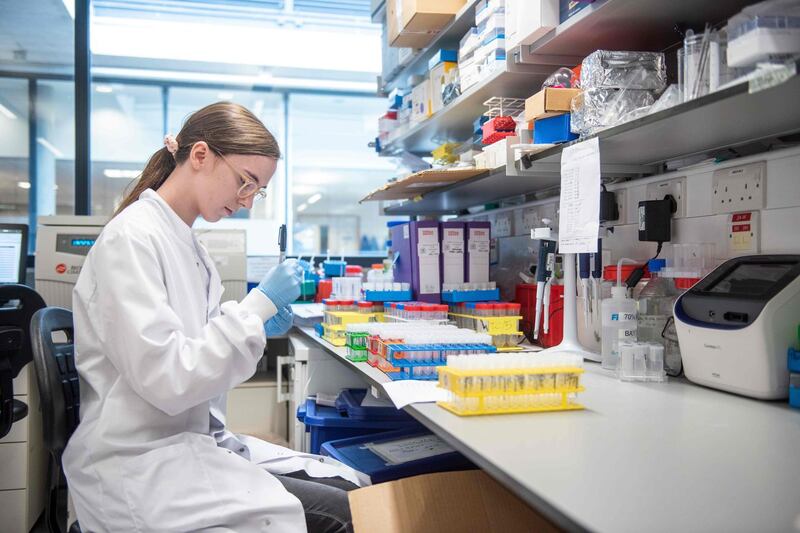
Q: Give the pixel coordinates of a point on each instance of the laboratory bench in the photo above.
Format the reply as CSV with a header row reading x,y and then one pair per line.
x,y
668,456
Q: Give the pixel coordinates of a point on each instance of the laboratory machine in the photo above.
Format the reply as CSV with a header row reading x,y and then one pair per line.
x,y
735,325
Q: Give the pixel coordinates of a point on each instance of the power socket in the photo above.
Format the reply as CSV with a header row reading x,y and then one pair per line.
x,y
676,187
739,188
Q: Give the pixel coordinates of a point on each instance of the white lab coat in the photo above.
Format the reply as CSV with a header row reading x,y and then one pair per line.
x,y
156,354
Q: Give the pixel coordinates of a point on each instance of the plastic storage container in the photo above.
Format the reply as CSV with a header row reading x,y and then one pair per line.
x,y
396,454
349,404
327,423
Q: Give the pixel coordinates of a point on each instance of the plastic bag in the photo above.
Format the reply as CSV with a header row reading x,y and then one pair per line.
x,y
561,78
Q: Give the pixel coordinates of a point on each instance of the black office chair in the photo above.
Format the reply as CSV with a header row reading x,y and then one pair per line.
x,y
60,401
18,303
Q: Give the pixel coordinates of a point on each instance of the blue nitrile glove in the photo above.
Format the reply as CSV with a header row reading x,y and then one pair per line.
x,y
282,284
280,323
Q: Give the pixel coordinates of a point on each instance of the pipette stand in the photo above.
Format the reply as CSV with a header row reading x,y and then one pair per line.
x,y
570,342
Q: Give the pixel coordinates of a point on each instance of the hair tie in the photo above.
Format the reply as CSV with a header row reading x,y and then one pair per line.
x,y
171,143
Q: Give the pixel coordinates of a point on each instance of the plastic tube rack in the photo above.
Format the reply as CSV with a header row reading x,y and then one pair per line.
x,y
511,383
421,361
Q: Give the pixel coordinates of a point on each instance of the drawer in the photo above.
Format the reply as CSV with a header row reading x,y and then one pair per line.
x,y
13,465
19,430
13,510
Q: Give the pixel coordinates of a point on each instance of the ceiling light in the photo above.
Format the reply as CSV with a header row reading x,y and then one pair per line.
x,y
121,173
24,184
302,207
7,112
53,150
104,89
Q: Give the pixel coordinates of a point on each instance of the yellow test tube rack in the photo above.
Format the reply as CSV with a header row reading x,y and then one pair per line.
x,y
510,390
503,329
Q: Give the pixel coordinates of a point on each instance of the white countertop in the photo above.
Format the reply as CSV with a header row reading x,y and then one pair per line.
x,y
641,457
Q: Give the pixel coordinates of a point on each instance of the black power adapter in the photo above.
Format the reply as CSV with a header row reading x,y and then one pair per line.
x,y
655,219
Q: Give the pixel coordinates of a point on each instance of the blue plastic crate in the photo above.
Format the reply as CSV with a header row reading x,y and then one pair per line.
x,y
349,404
455,297
358,453
388,296
327,423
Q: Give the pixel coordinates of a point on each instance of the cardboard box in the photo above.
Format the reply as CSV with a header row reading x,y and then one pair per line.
x,y
443,503
528,20
421,102
414,23
441,75
549,102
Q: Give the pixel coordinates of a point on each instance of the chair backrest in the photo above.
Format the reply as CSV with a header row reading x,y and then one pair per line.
x,y
56,375
18,303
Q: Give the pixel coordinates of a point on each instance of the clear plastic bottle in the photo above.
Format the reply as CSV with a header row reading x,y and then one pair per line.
x,y
654,306
618,318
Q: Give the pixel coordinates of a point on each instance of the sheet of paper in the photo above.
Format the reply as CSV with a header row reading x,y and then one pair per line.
x,y
411,449
453,254
307,310
371,401
406,392
428,251
579,217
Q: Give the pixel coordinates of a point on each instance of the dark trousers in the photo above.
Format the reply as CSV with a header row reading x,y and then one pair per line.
x,y
324,501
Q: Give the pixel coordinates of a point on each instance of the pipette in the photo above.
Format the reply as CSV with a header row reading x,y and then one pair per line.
x,y
583,274
544,264
597,275
282,243
546,325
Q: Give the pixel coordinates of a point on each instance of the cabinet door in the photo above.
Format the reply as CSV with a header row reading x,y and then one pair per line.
x,y
254,410
13,465
12,511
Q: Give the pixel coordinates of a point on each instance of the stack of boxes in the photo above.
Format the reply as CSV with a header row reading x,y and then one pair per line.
x,y
483,48
432,253
547,115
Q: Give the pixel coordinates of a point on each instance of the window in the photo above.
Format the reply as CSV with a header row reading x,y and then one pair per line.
x,y
55,111
14,180
331,169
127,128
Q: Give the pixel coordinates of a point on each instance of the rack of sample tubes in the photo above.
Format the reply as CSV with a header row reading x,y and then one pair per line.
x,y
511,383
498,319
415,312
337,314
412,351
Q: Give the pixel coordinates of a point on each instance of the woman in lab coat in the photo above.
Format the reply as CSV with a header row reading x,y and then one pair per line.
x,y
156,354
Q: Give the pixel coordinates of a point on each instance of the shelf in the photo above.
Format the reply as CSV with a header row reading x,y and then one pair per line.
x,y
454,122
479,190
448,39
420,183
625,25
716,122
